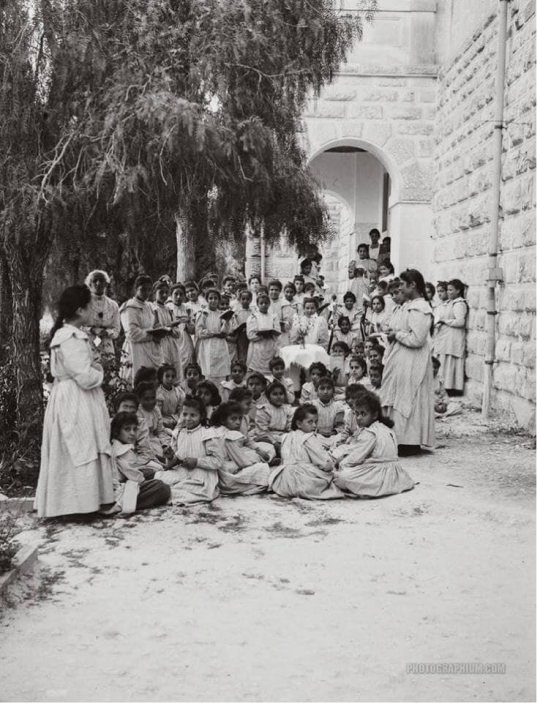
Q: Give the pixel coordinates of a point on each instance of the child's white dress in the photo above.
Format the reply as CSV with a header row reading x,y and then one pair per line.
x,y
75,474
289,387
308,393
330,419
184,340
372,468
306,469
262,349
170,343
227,386
243,470
212,352
199,485
140,348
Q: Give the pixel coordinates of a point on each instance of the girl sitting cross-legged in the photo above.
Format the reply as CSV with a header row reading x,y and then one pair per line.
x,y
132,489
193,376
306,468
309,390
273,417
236,380
330,412
193,470
128,402
244,470
372,469
244,398
277,369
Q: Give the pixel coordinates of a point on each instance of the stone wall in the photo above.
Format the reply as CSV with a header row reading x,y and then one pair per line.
x,y
462,192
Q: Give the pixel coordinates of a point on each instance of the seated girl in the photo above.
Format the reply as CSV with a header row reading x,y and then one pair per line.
x,y
376,316
128,402
306,468
344,333
339,354
372,468
257,383
244,398
132,489
208,393
193,376
169,396
376,371
330,412
236,380
358,372
244,471
159,437
309,390
193,470
273,417
277,369
354,312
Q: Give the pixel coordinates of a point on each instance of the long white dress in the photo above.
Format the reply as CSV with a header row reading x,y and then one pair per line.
x,y
212,352
407,384
449,342
306,470
75,474
198,485
262,349
371,468
243,470
185,343
140,348
171,343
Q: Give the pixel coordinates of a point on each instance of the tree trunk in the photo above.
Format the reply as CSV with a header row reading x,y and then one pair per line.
x,y
186,257
27,286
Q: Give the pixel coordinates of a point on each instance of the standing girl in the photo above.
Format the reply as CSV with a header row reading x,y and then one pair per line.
x,y
185,328
371,469
243,470
211,332
306,468
142,344
310,328
193,470
164,317
242,313
453,337
407,384
75,474
263,331
104,325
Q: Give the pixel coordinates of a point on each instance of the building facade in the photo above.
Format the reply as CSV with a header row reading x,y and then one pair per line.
x,y
402,141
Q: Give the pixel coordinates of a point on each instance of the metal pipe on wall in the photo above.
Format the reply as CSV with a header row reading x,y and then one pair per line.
x,y
262,252
494,273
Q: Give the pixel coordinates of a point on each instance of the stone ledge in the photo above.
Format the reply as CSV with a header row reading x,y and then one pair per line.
x,y
23,561
20,505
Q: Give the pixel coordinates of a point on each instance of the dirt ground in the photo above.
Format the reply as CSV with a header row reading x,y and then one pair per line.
x,y
264,599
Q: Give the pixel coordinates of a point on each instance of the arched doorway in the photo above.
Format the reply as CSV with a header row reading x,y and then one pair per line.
x,y
356,177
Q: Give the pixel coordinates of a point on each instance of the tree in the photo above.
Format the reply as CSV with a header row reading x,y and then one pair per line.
x,y
130,116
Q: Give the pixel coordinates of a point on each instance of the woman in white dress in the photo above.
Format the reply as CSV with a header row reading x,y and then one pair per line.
x,y
186,328
142,344
104,325
407,385
76,473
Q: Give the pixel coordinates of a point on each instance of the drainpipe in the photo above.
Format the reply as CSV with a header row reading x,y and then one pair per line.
x,y
495,275
262,252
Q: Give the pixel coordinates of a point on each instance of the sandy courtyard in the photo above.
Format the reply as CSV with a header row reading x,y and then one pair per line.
x,y
264,599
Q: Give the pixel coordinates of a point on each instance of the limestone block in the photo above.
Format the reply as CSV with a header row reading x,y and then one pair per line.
x,y
517,352
390,82
321,132
504,376
407,96
426,148
528,355
526,268
427,96
474,368
400,112
377,132
521,387
402,149
330,110
365,112
529,300
352,128
503,350
383,96
416,181
419,128
338,93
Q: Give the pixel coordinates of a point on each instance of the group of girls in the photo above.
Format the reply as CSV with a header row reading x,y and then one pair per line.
x,y
212,410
